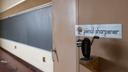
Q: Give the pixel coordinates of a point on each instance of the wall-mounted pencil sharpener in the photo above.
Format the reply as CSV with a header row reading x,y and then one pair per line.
x,y
85,45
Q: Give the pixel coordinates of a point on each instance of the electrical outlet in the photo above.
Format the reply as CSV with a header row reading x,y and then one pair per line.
x,y
44,59
15,47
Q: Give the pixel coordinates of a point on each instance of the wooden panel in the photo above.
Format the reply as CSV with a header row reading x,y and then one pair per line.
x,y
108,11
64,17
0,6
23,6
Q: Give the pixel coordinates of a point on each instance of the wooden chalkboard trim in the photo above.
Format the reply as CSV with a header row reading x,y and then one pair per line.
x,y
11,6
28,10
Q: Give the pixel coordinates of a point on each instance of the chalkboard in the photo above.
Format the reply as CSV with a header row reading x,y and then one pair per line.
x,y
32,28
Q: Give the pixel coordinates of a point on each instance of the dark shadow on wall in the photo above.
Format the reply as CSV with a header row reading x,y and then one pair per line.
x,y
117,53
108,66
100,64
113,49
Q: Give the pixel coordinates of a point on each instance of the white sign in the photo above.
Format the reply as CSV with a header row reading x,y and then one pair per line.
x,y
101,30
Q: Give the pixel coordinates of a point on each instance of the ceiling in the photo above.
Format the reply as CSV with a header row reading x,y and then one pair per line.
x,y
7,4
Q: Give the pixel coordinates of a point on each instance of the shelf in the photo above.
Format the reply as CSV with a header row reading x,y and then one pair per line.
x,y
92,64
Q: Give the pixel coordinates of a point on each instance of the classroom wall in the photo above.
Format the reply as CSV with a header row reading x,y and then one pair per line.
x,y
113,51
39,58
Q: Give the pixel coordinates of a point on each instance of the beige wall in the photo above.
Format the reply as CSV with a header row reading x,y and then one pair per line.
x,y
113,51
23,6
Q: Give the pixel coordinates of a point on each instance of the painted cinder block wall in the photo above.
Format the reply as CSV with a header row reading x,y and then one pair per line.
x,y
113,51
